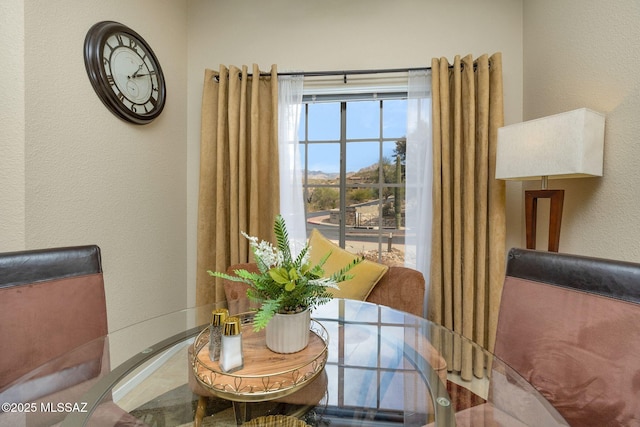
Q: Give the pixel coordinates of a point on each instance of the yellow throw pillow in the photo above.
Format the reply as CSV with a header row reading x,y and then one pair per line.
x,y
365,275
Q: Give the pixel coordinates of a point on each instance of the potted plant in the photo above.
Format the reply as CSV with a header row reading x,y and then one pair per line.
x,y
287,288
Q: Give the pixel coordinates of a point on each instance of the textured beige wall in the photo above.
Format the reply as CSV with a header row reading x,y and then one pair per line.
x,y
581,53
12,194
76,174
90,177
338,35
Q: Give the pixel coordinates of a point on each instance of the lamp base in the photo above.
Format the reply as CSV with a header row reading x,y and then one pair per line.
x,y
555,216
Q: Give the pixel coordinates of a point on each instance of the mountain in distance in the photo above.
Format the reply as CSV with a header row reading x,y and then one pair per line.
x,y
319,175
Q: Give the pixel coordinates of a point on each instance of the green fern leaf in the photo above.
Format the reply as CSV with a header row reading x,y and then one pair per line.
x,y
341,275
282,238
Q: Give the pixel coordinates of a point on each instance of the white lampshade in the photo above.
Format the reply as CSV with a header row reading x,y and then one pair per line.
x,y
565,145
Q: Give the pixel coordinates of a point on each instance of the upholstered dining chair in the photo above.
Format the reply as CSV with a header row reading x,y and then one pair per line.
x,y
52,301
570,326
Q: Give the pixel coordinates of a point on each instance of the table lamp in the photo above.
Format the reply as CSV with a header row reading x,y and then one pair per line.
x,y
565,145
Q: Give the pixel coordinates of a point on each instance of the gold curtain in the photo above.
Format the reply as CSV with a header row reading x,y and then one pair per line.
x,y
239,184
468,247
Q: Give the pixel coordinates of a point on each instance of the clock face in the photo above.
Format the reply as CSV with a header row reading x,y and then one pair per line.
x,y
124,72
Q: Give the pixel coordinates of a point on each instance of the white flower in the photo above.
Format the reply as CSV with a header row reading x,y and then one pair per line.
x,y
324,281
252,239
307,255
267,253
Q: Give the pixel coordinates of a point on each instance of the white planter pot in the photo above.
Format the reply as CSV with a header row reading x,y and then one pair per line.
x,y
288,333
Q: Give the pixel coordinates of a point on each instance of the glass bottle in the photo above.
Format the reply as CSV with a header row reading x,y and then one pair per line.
x,y
218,317
231,358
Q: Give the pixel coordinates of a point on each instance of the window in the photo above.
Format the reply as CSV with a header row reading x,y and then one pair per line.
x,y
353,156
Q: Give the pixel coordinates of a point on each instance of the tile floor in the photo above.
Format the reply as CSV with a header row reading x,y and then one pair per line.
x,y
167,377
136,391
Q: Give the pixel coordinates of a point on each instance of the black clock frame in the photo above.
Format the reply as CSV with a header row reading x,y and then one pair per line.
x,y
93,47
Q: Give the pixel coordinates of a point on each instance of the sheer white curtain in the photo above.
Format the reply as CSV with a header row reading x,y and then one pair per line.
x,y
291,196
419,175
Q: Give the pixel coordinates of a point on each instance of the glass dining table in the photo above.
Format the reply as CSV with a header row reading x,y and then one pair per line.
x,y
379,367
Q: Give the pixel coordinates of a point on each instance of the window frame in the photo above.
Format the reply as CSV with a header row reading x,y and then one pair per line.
x,y
343,186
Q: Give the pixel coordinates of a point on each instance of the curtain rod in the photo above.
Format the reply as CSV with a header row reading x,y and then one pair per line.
x,y
349,72
345,73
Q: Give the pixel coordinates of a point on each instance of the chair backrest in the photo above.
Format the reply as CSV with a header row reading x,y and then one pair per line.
x,y
51,301
570,325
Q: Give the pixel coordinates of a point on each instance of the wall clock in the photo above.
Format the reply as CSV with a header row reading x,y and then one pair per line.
x,y
124,72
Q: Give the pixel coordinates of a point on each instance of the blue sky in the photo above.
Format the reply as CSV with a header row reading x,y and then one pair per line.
x,y
363,121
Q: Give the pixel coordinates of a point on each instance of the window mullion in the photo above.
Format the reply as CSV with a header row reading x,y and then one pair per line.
x,y
305,175
380,182
343,174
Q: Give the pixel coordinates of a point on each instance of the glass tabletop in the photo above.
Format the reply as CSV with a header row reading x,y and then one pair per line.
x,y
383,367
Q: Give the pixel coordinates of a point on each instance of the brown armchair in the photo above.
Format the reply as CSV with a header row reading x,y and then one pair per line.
x,y
401,288
52,301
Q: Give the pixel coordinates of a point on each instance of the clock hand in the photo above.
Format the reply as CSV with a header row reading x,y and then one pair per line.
x,y
136,72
